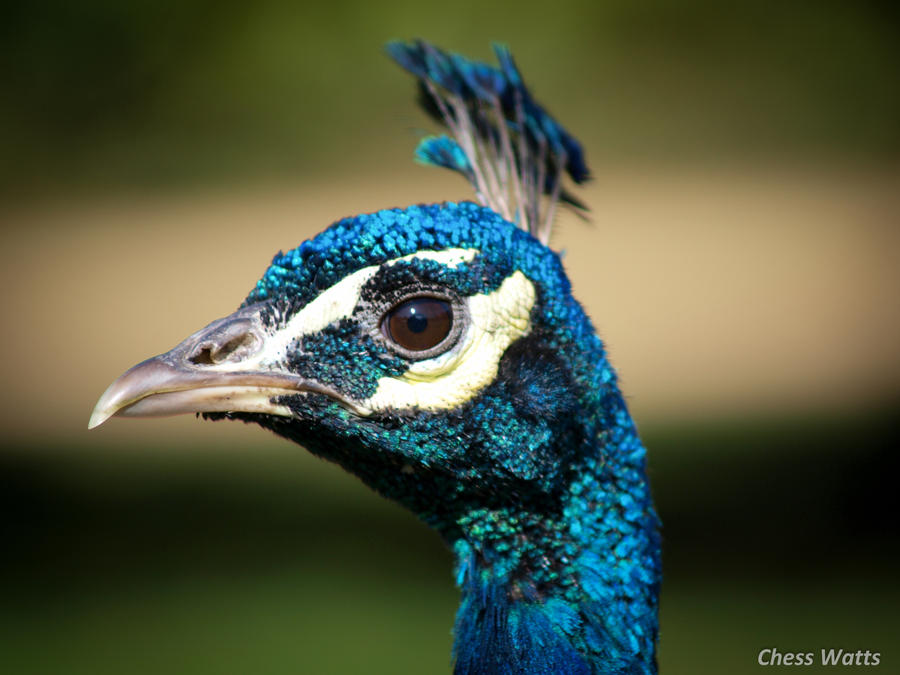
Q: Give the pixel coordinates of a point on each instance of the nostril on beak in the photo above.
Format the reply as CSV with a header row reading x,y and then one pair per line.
x,y
202,356
231,342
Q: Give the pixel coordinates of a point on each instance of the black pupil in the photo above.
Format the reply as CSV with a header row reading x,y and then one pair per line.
x,y
419,324
416,322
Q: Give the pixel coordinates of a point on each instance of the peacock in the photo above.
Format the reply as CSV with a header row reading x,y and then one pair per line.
x,y
437,353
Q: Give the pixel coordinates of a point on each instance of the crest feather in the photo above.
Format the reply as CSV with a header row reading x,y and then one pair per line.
x,y
504,142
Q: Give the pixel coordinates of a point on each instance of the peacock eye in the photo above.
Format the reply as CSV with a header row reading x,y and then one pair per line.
x,y
418,324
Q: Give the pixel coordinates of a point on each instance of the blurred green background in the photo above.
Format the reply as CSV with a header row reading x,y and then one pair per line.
x,y
741,265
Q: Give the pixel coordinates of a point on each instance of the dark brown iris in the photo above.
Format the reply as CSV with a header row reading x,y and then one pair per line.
x,y
418,324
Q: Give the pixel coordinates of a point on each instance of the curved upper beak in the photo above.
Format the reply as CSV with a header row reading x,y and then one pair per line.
x,y
220,368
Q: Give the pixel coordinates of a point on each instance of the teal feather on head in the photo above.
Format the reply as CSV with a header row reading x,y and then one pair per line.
x,y
437,353
444,152
514,151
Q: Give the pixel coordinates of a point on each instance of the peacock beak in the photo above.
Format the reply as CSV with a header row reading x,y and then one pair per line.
x,y
221,368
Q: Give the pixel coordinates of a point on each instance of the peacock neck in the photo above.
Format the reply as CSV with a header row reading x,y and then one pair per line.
x,y
539,486
569,586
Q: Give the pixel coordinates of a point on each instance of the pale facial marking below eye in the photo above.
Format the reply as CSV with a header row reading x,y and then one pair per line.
x,y
447,381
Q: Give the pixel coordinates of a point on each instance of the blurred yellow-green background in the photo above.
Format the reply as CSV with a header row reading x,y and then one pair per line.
x,y
741,265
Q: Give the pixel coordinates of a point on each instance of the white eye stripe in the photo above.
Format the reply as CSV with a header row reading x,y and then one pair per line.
x,y
447,381
339,301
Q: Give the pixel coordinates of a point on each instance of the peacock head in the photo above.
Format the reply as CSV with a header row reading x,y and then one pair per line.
x,y
437,353
433,351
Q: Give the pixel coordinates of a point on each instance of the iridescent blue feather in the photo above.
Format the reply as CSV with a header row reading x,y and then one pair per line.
x,y
443,151
515,152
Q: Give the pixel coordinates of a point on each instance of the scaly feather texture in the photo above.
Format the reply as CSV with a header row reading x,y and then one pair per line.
x,y
437,353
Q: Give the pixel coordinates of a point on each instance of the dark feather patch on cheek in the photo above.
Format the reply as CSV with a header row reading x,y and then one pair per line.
x,y
529,412
538,381
344,356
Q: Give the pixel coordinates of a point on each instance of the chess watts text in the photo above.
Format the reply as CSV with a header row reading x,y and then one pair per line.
x,y
826,657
